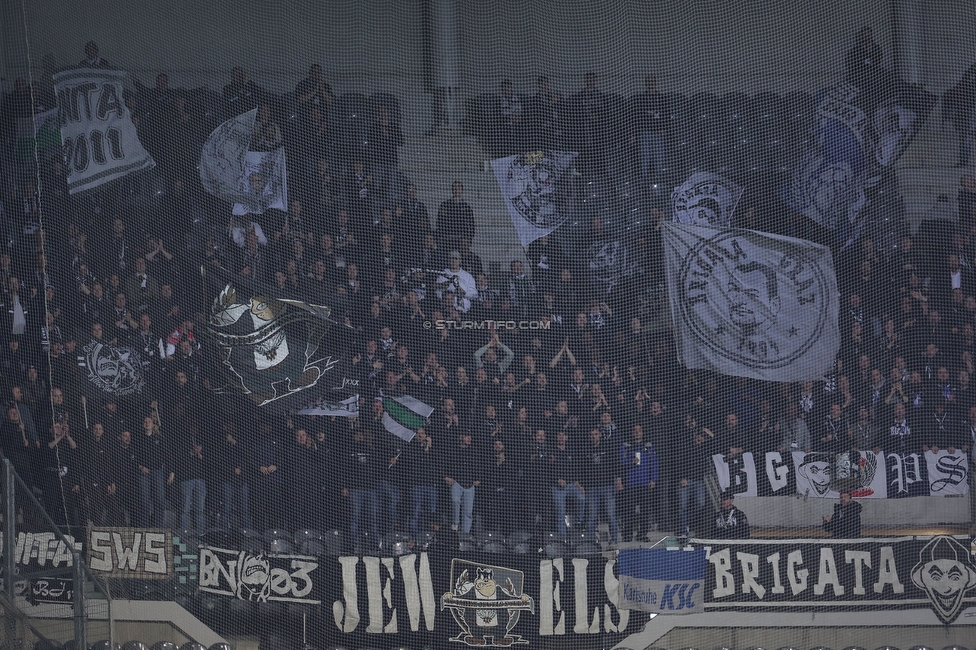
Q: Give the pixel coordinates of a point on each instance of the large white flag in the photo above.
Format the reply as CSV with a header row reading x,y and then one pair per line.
x,y
99,139
530,184
705,199
751,304
223,158
265,182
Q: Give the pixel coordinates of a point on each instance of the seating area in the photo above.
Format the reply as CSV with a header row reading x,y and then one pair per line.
x,y
748,133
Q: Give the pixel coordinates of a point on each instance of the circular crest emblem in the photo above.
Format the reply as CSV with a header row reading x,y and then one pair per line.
x,y
760,307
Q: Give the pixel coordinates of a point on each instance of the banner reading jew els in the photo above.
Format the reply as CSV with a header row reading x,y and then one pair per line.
x,y
751,304
530,184
99,139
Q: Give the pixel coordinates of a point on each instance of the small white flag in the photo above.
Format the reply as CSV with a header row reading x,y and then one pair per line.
x,y
531,186
705,199
265,182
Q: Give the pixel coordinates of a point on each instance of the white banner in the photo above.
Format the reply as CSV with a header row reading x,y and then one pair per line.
x,y
822,475
948,473
223,158
752,304
530,186
265,182
737,473
705,199
99,139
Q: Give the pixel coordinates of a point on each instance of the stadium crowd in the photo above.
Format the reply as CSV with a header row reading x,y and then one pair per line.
x,y
581,415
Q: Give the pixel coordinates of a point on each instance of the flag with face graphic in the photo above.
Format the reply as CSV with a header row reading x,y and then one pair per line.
x,y
751,304
705,199
814,475
857,137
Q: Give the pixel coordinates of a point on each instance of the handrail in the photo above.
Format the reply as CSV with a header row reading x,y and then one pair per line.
x,y
80,570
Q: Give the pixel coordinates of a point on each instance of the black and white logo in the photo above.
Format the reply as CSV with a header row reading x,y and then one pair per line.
x,y
270,348
486,602
945,573
113,369
256,576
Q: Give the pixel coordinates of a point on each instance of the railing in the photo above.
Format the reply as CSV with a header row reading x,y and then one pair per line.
x,y
48,592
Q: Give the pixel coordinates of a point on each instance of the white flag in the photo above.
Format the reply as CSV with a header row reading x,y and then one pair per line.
x,y
751,304
948,473
99,139
265,181
223,158
530,184
705,199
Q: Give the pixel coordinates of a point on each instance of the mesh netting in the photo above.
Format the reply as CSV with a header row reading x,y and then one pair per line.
x,y
425,323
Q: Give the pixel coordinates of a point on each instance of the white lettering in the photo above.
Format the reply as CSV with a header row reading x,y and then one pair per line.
x,y
724,582
100,551
860,559
128,557
888,573
750,571
776,471
778,587
796,576
827,574
374,599
156,553
347,618
419,591
582,605
550,582
610,584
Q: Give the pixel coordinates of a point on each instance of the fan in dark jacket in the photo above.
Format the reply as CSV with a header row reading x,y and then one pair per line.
x,y
731,522
845,523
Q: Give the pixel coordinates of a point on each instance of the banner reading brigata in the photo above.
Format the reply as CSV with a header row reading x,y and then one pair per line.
x,y
751,304
811,574
99,139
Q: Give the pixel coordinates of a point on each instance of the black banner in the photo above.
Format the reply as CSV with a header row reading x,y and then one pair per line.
x,y
809,575
488,600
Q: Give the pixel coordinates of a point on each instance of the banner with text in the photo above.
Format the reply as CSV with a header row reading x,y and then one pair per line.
x,y
143,554
815,575
99,139
883,475
435,597
661,580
